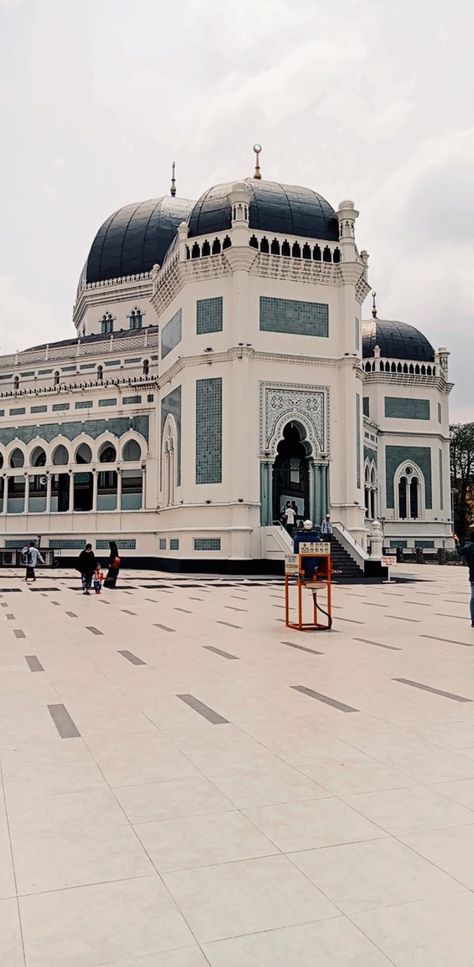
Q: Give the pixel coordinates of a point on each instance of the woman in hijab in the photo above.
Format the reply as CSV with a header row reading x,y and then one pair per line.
x,y
114,566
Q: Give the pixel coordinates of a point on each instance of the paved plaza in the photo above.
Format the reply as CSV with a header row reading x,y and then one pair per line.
x,y
173,798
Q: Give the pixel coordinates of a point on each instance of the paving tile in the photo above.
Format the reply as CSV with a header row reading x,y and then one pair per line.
x,y
354,775
134,757
186,957
450,849
410,809
328,943
437,932
171,800
204,840
91,808
312,823
102,923
11,948
278,783
354,876
240,898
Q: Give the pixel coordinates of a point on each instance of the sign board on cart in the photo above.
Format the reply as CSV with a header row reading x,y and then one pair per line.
x,y
291,564
314,547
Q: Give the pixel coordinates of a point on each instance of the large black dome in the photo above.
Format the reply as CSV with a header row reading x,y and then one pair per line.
x,y
135,238
396,340
287,209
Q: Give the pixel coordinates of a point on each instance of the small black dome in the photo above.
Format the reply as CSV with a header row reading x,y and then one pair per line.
x,y
396,340
286,209
135,238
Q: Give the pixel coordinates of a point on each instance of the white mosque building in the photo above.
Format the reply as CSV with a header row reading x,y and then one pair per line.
x,y
219,368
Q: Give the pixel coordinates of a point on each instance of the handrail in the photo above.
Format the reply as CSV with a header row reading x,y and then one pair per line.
x,y
349,543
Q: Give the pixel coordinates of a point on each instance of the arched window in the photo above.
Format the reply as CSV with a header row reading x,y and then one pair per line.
x,y
410,369
227,242
216,247
417,370
1,460
84,454
38,457
168,458
17,458
136,318
327,254
317,253
264,246
253,242
131,452
306,251
296,251
60,456
16,384
107,453
370,486
146,367
423,371
100,374
409,484
206,248
285,249
405,368
195,251
337,255
56,378
275,247
399,368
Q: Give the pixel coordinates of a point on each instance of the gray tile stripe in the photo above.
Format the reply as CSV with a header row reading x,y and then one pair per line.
x,y
378,643
231,607
218,651
131,657
324,698
165,628
450,641
10,617
372,604
436,691
94,631
63,722
442,614
312,651
19,633
398,617
204,710
352,621
419,604
238,597
103,601
195,599
57,603
229,624
184,610
33,663
4,604
126,611
71,614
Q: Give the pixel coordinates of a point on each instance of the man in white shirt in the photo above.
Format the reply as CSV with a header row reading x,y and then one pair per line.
x,y
290,517
326,526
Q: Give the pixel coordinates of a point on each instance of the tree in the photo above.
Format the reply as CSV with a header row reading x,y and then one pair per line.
x,y
462,474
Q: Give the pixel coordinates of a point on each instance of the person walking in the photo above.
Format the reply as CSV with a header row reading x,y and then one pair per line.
x,y
32,557
467,552
86,565
98,578
326,526
290,517
114,566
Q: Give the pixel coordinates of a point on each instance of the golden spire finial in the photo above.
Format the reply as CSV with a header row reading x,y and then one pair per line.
x,y
257,173
374,307
173,180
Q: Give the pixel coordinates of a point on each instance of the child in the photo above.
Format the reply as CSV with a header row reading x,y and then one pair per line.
x,y
98,578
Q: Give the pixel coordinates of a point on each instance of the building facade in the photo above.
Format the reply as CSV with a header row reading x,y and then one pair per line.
x,y
220,368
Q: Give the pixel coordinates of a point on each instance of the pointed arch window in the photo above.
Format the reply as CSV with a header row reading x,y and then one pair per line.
x,y
107,323
136,318
409,488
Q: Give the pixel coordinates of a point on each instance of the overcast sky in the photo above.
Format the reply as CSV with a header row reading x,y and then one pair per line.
x,y
364,99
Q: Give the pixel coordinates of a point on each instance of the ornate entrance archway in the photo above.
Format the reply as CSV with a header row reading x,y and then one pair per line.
x,y
291,472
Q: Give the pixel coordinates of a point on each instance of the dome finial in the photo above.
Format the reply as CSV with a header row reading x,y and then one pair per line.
x,y
374,307
257,173
173,180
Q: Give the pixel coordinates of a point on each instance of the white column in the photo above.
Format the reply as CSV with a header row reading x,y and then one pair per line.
x,y
119,489
94,490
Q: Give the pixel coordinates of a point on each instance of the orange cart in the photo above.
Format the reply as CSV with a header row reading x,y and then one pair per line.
x,y
309,570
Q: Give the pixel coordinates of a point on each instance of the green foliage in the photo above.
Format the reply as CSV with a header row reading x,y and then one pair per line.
x,y
462,475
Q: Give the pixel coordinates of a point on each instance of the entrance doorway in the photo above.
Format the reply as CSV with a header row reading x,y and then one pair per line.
x,y
291,473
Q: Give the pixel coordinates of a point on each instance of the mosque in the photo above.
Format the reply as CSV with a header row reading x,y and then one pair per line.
x,y
219,368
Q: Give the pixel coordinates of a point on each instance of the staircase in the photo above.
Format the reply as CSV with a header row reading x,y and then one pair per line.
x,y
344,568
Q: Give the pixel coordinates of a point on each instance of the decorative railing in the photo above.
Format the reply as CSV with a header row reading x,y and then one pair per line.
x,y
142,339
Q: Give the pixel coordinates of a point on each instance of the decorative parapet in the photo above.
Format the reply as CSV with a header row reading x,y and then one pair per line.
x,y
141,339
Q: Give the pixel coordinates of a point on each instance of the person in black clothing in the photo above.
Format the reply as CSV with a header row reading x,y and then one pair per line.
x,y
114,566
467,552
86,565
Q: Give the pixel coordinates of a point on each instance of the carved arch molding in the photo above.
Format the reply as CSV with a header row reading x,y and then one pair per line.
x,y
282,402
